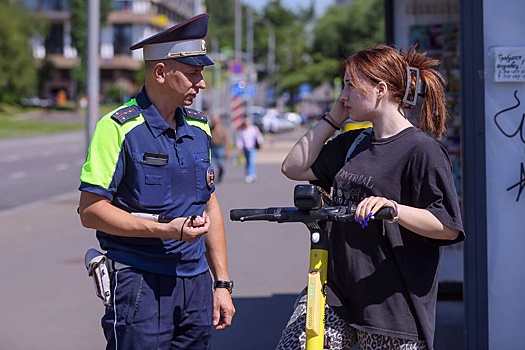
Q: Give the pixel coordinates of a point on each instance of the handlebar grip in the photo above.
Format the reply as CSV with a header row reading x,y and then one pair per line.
x,y
385,213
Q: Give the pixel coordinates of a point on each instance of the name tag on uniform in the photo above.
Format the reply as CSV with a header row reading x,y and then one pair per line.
x,y
155,158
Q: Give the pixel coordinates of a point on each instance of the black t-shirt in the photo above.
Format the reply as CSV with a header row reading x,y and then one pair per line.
x,y
383,278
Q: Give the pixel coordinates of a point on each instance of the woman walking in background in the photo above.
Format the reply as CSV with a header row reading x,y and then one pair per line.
x,y
249,140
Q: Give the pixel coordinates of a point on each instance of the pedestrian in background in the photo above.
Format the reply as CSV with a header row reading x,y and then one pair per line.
x,y
151,156
249,141
382,276
220,146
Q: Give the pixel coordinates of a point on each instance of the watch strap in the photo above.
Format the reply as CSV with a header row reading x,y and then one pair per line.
x,y
224,284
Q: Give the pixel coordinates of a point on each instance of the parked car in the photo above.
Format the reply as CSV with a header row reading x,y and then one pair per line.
x,y
294,117
275,122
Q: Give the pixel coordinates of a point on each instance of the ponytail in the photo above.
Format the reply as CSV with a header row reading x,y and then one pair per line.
x,y
433,113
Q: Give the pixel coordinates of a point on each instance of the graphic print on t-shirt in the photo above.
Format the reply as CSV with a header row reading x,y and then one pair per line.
x,y
350,188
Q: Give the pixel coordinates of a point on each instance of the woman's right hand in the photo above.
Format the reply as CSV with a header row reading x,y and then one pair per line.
x,y
338,112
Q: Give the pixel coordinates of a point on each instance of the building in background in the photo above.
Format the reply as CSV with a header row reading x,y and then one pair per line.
x,y
130,21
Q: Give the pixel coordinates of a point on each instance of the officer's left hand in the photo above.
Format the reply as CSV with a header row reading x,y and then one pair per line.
x,y
223,309
187,230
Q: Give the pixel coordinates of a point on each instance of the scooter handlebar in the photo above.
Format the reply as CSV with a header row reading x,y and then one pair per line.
x,y
293,214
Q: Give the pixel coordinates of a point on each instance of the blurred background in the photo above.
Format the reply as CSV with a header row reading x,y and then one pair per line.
x,y
283,55
65,63
276,62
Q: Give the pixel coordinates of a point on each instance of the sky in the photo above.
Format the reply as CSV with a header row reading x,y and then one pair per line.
x,y
320,5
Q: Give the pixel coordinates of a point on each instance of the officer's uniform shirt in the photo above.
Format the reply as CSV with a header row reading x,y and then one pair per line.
x,y
140,164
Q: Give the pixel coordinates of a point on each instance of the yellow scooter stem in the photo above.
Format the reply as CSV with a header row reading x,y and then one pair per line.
x,y
316,299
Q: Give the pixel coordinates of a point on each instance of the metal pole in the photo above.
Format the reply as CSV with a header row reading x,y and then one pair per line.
x,y
93,72
271,53
197,102
249,54
271,47
238,30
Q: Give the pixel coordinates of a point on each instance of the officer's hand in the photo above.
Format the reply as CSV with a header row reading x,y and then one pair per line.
x,y
223,309
189,229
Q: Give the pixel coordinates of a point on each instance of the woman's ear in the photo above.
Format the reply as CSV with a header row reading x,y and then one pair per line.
x,y
381,89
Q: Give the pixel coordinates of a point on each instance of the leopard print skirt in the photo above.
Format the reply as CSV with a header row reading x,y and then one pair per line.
x,y
341,335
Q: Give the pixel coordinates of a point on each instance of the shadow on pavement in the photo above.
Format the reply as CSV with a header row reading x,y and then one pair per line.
x,y
257,324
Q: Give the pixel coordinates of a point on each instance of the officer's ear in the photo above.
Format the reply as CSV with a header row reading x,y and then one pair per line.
x,y
159,70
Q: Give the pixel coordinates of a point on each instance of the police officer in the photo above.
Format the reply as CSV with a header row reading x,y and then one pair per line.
x,y
152,156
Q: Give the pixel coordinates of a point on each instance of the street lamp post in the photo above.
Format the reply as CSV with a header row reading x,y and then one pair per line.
x,y
93,71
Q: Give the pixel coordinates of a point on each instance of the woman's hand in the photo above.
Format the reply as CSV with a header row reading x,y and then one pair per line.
x,y
369,206
338,112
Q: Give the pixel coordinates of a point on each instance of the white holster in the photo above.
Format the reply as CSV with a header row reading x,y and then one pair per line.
x,y
97,267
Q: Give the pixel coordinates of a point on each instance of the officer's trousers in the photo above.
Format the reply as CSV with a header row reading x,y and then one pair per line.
x,y
152,311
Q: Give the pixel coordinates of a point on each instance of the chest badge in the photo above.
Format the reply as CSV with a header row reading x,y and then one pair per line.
x,y
210,176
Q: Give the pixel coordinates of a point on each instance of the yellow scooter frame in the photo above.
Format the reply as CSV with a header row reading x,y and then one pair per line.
x,y
311,208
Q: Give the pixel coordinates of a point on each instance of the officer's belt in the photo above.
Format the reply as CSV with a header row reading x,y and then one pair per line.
x,y
115,266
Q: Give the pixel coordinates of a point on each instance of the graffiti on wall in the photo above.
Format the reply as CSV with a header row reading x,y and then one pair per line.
x,y
512,124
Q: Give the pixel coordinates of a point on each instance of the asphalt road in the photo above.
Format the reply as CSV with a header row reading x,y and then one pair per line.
x,y
38,168
47,299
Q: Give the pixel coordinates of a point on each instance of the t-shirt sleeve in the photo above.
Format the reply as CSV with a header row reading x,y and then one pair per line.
x,y
329,161
438,195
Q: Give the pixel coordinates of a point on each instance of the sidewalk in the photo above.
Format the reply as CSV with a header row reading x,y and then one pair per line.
x,y
49,301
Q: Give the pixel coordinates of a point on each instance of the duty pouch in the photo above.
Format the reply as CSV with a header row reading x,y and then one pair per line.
x,y
97,267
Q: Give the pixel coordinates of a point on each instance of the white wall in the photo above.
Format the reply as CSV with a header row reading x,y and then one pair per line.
x,y
504,26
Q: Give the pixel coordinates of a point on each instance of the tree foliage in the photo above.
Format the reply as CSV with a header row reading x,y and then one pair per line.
x,y
343,29
348,28
19,74
307,49
79,35
221,28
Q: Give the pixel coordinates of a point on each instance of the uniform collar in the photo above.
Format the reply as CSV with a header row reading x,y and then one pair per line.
x,y
155,121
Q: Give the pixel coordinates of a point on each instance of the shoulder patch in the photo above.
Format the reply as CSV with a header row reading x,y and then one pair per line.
x,y
126,113
195,114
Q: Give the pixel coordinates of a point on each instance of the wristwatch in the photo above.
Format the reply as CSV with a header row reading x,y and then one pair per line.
x,y
224,284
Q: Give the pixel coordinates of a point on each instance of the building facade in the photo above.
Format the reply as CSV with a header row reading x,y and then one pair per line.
x,y
129,22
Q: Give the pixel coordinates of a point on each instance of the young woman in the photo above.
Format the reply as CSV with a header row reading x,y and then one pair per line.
x,y
382,276
249,139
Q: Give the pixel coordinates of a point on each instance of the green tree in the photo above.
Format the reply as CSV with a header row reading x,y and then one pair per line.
x,y
342,30
19,74
221,28
292,39
307,50
79,35
345,29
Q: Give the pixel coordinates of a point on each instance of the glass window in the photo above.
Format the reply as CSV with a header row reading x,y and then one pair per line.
x,y
122,39
54,43
122,5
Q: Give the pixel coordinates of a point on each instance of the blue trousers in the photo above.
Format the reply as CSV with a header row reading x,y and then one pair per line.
x,y
218,154
152,311
251,157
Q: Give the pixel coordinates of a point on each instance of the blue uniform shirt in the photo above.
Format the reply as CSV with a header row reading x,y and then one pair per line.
x,y
139,163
